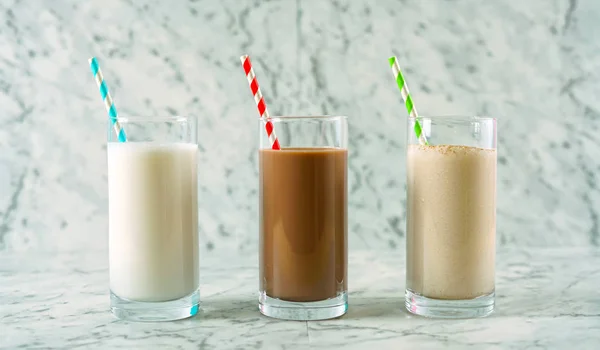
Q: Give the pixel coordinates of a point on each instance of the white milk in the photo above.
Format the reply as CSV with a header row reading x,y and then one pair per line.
x,y
153,220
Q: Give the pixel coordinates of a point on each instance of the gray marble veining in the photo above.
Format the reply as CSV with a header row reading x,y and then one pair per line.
x,y
547,298
533,64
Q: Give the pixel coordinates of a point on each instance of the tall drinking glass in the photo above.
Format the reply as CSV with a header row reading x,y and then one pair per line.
x,y
303,218
153,219
451,219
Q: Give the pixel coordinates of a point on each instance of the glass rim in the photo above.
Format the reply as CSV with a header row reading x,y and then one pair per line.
x,y
454,117
157,119
279,118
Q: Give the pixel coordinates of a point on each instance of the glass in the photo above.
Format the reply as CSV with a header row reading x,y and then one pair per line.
x,y
303,218
153,219
451,217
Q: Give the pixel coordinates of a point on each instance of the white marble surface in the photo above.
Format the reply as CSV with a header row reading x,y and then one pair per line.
x,y
547,298
533,64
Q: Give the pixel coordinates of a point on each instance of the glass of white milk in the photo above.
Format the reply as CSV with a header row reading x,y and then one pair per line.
x,y
153,218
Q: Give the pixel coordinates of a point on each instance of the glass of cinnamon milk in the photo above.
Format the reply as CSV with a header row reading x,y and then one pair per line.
x,y
153,218
451,217
303,207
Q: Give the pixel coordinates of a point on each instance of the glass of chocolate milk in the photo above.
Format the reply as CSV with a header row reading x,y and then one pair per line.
x,y
451,217
303,218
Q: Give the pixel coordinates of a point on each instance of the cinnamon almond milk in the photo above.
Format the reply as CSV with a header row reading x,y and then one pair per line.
x,y
451,225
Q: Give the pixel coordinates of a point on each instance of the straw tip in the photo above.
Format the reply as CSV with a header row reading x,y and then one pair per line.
x,y
392,60
94,65
243,58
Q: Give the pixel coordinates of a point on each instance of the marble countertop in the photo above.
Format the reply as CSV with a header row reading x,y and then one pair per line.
x,y
546,298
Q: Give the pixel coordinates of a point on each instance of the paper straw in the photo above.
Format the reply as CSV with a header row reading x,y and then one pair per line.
x,y
412,110
108,102
260,101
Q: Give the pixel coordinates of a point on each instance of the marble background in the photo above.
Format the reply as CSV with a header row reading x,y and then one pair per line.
x,y
533,64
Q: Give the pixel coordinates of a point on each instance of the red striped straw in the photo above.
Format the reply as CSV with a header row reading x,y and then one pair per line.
x,y
260,101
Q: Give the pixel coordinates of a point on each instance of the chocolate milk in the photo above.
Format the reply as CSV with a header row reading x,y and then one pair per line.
x,y
303,223
451,224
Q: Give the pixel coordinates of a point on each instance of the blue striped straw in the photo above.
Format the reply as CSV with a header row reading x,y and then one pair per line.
x,y
108,102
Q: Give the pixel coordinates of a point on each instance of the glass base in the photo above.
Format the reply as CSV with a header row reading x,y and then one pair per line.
x,y
438,308
155,311
303,311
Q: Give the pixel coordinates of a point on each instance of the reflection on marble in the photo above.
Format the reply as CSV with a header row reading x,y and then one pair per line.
x,y
533,64
546,298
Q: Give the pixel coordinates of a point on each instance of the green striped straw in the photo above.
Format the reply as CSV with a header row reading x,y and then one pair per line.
x,y
412,111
